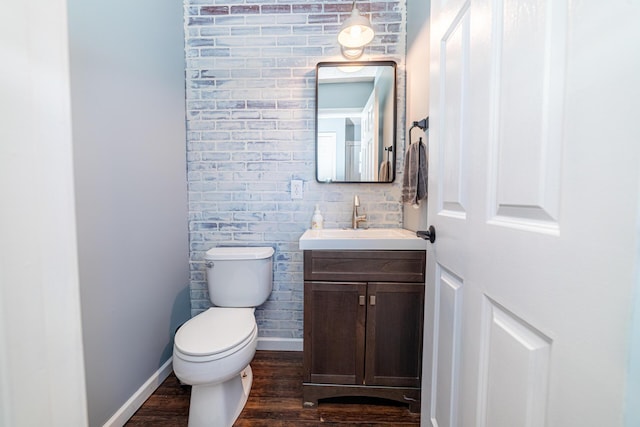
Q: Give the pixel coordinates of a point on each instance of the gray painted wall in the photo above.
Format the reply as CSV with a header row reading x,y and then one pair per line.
x,y
344,95
127,84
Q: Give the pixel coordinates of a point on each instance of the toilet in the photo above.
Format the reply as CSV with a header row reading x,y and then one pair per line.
x,y
212,350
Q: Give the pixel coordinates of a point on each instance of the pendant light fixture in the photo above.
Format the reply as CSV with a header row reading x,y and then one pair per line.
x,y
352,52
356,32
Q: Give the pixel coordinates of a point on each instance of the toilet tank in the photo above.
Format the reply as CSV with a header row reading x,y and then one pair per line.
x,y
239,276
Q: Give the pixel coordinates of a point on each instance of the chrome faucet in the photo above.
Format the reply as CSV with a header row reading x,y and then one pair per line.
x,y
355,218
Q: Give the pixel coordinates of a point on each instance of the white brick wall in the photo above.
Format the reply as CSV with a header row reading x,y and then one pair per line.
x,y
250,70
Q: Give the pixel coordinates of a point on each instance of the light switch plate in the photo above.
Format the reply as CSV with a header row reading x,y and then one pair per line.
x,y
296,189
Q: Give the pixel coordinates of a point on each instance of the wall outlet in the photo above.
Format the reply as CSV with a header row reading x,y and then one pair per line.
x,y
296,189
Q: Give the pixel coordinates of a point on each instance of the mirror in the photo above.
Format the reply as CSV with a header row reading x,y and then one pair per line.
x,y
356,122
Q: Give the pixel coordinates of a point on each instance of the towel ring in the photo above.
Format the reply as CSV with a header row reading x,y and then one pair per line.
x,y
422,124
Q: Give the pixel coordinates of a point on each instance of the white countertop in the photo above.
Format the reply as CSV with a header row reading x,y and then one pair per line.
x,y
361,239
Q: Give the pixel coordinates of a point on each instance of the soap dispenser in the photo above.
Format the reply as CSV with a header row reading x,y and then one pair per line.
x,y
317,220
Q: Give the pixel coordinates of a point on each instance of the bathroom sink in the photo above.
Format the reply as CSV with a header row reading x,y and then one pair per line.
x,y
361,239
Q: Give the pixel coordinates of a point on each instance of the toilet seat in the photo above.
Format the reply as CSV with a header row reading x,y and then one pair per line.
x,y
215,333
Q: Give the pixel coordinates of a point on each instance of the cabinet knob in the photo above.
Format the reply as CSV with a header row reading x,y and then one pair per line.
x,y
372,300
361,299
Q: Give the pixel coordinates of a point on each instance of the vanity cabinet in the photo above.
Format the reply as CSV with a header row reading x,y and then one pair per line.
x,y
363,317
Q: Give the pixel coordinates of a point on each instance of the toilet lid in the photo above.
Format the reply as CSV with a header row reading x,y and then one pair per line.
x,y
216,330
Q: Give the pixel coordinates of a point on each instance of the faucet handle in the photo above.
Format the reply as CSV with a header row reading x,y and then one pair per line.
x,y
356,200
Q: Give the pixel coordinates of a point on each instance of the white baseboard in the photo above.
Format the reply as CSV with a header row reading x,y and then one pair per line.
x,y
280,344
140,396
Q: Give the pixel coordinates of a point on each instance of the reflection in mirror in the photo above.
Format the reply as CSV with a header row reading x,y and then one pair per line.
x,y
355,121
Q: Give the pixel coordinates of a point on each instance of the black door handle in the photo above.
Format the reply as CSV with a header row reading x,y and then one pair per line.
x,y
429,234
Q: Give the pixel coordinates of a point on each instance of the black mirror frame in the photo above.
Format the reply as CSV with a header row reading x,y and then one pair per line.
x,y
393,148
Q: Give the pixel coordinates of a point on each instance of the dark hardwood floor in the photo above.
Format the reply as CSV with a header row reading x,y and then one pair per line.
x,y
276,401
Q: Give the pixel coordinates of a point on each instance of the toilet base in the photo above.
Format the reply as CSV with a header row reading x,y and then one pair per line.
x,y
219,405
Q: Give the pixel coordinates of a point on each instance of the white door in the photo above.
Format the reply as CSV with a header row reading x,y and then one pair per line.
x,y
533,191
369,139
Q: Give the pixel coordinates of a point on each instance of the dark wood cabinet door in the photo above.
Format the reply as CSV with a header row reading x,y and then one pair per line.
x,y
395,314
334,332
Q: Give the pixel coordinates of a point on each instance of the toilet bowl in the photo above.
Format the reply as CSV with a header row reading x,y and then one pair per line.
x,y
216,364
212,350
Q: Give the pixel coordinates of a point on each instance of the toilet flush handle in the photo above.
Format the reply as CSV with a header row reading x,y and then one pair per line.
x,y
209,264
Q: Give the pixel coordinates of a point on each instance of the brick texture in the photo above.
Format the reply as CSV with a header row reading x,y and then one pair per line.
x,y
250,76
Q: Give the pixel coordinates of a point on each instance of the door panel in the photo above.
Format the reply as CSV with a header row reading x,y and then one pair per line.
x,y
514,368
526,112
446,348
454,98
